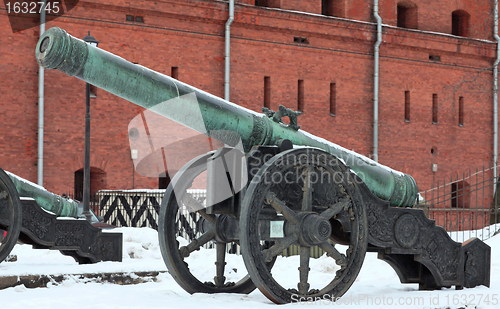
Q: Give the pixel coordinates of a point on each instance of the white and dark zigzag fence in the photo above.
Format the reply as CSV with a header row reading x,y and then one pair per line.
x,y
140,208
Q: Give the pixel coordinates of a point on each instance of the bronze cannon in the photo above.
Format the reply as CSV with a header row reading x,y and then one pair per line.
x,y
283,194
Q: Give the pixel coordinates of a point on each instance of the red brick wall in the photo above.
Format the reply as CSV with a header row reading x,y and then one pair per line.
x,y
189,35
18,100
311,6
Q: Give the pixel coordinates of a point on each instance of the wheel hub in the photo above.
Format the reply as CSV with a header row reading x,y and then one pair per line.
x,y
315,230
226,228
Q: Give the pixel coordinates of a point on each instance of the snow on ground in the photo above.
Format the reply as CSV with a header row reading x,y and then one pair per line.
x,y
141,252
377,285
482,234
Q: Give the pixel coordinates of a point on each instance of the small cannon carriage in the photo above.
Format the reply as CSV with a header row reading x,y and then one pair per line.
x,y
32,215
282,188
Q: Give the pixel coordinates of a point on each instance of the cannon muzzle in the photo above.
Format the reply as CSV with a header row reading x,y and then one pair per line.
x,y
57,49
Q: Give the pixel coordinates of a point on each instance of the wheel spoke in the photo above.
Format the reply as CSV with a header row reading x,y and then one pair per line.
x,y
330,250
305,254
281,208
307,190
278,247
220,264
303,214
196,244
335,209
184,215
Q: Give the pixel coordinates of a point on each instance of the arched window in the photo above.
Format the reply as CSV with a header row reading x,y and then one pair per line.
x,y
261,3
407,15
268,3
163,180
460,23
97,182
333,8
460,194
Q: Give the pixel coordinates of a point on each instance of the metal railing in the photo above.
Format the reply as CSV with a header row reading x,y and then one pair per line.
x,y
465,205
135,208
132,208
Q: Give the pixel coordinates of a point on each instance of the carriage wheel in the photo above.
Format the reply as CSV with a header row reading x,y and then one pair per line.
x,y
184,234
308,201
10,215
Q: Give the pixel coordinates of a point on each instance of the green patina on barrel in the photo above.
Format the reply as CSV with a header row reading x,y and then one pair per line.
x,y
54,203
57,49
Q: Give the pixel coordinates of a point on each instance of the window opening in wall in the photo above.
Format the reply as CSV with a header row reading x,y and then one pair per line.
x,y
460,194
268,3
174,72
435,108
300,40
261,3
300,95
333,8
78,189
460,23
333,99
407,106
434,58
97,182
407,15
267,91
132,18
163,181
461,111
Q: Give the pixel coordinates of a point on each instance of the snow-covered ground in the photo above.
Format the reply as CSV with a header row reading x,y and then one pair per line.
x,y
377,285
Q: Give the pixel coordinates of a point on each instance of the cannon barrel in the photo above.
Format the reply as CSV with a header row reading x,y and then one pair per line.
x,y
57,49
60,206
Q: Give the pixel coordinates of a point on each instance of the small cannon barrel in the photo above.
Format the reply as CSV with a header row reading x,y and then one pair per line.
x,y
57,49
54,203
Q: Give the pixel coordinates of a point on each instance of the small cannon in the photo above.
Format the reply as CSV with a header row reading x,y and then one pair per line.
x,y
298,194
33,215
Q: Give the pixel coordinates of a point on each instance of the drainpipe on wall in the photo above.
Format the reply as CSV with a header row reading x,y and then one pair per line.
x,y
41,90
376,57
495,92
227,57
